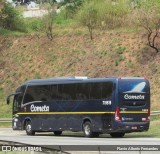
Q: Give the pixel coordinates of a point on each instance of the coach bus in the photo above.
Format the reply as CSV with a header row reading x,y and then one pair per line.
x,y
93,105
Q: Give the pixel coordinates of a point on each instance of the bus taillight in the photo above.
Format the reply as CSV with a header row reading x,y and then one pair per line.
x,y
117,115
148,116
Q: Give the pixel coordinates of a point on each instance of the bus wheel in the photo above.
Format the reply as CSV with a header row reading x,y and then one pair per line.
x,y
29,129
57,133
117,135
87,129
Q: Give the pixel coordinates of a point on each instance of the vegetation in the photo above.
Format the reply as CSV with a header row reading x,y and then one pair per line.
x,y
88,16
49,20
11,18
122,32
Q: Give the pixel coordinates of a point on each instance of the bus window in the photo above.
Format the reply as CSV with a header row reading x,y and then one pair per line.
x,y
17,103
37,93
82,91
53,89
130,86
69,91
96,90
101,90
107,89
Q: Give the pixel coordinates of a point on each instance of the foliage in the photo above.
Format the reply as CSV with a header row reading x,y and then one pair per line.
x,y
148,17
112,15
70,7
49,20
88,17
1,4
11,18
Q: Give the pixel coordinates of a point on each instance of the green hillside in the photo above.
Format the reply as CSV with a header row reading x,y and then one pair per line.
x,y
110,54
117,49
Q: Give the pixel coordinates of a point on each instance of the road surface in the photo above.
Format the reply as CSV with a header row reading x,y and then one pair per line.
x,y
77,139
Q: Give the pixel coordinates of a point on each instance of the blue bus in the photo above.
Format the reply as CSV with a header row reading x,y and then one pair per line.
x,y
93,105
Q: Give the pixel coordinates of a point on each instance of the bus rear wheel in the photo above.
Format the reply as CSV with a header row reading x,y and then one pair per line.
x,y
57,133
28,128
87,129
117,135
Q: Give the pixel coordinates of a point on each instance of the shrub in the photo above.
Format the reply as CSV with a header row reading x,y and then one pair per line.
x,y
11,18
35,24
87,16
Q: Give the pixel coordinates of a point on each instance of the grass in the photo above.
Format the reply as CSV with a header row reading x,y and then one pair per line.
x,y
152,132
6,125
6,110
7,32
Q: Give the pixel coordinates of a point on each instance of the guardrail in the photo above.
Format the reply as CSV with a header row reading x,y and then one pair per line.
x,y
5,120
154,113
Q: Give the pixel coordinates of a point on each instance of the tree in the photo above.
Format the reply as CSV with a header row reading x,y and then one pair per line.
x,y
88,16
11,18
49,20
71,6
150,21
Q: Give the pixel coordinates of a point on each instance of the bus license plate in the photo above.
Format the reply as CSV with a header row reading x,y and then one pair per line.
x,y
134,127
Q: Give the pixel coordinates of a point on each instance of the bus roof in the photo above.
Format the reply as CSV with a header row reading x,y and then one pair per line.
x,y
74,79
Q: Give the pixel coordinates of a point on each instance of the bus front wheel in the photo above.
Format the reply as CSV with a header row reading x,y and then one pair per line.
x,y
29,130
57,133
117,135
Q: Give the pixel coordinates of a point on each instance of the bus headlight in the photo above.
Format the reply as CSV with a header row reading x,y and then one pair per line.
x,y
15,120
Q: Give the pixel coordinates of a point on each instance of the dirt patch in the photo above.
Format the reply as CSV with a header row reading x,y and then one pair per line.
x,y
112,54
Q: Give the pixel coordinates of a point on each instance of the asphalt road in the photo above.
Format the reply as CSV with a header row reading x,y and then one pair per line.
x,y
77,141
72,139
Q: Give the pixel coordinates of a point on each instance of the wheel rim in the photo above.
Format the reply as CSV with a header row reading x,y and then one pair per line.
x,y
28,128
87,129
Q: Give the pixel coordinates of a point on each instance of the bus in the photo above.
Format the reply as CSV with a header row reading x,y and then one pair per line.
x,y
115,105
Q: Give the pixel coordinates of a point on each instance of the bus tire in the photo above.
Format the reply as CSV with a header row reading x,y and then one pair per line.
x,y
117,135
28,128
87,129
57,133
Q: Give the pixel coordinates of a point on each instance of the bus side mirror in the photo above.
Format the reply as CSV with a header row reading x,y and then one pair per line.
x,y
8,97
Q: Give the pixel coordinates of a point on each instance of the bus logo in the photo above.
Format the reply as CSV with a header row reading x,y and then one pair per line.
x,y
134,97
44,108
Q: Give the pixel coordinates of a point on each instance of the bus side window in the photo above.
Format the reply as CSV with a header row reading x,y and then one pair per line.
x,y
82,91
107,89
28,98
17,103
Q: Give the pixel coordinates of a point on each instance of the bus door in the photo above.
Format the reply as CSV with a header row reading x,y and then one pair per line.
x,y
134,102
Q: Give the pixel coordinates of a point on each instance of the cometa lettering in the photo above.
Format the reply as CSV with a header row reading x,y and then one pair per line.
x,y
127,96
39,108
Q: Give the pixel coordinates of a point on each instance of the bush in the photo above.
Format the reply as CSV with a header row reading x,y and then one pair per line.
x,y
70,7
34,24
87,16
112,14
11,18
109,14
